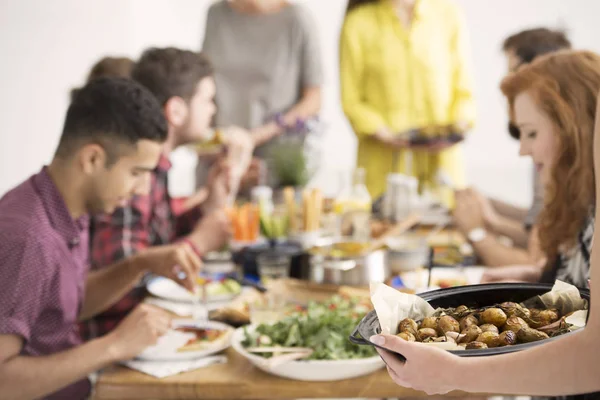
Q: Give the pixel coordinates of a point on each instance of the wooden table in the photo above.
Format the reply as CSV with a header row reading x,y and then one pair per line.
x,y
239,379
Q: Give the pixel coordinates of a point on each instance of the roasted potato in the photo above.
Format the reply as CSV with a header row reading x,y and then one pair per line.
x,y
507,338
468,321
448,324
489,328
430,322
528,335
426,333
494,316
408,325
491,339
476,346
514,324
471,334
409,337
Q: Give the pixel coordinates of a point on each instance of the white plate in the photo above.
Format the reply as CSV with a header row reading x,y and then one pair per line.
x,y
166,348
310,370
170,290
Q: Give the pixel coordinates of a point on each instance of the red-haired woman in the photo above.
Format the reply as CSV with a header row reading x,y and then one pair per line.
x,y
553,101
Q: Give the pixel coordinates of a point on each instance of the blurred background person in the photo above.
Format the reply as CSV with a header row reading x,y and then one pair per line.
x,y
109,67
182,82
483,220
268,69
553,103
404,65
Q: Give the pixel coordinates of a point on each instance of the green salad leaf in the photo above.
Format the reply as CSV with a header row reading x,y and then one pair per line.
x,y
323,327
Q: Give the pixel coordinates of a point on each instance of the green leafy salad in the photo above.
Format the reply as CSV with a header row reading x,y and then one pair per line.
x,y
323,327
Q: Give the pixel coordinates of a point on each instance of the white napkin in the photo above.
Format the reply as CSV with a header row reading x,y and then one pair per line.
x,y
162,369
393,306
564,297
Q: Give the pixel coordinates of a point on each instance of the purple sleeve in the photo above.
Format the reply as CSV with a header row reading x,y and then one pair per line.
x,y
24,275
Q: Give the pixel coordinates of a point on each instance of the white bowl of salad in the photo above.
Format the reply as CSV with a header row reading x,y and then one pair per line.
x,y
322,327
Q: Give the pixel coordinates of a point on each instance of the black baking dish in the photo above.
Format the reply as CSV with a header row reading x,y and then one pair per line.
x,y
472,295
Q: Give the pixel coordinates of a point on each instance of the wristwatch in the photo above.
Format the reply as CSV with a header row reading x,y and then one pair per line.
x,y
476,235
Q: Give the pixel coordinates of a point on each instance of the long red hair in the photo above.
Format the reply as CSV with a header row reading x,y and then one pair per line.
x,y
564,86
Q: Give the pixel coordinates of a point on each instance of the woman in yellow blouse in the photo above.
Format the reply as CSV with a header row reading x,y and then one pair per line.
x,y
404,65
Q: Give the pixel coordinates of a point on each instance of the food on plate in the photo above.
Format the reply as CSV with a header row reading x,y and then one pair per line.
x,y
218,288
494,316
223,287
205,338
323,327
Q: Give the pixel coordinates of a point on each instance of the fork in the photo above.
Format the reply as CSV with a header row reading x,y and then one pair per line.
x,y
200,311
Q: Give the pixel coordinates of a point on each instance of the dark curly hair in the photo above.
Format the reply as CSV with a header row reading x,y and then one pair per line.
x,y
169,72
115,113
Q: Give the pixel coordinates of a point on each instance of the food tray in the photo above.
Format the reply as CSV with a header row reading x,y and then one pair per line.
x,y
472,295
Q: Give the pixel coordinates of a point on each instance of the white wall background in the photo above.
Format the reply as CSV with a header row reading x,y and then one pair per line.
x,y
47,48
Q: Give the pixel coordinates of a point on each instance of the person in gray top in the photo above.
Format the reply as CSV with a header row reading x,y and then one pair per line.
x,y
267,60
481,219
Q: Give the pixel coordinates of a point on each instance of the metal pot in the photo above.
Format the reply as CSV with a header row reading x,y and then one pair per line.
x,y
351,271
407,253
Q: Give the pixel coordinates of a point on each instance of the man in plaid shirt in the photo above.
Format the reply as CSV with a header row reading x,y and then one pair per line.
x,y
182,82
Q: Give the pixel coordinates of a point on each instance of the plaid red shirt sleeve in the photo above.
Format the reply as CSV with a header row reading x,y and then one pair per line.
x,y
121,234
115,237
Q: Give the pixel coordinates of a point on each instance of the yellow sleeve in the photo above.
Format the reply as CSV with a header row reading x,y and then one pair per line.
x,y
463,107
363,118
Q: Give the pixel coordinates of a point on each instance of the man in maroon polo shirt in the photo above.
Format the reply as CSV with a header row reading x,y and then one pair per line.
x,y
111,141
